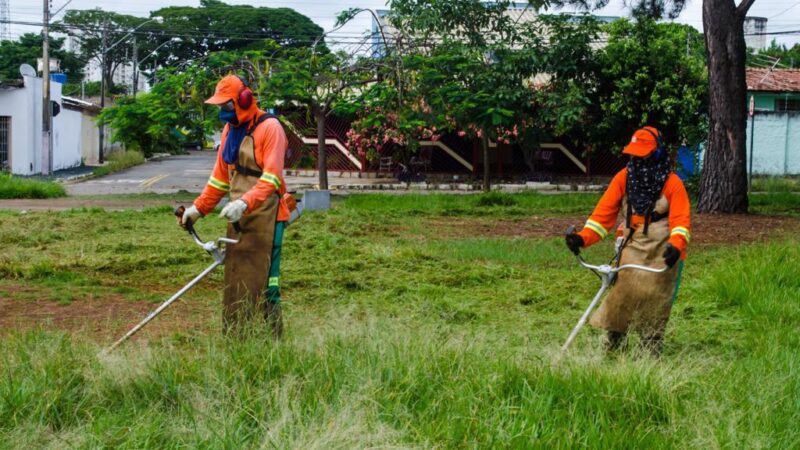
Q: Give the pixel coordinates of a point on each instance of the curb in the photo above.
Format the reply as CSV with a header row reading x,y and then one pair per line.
x,y
459,187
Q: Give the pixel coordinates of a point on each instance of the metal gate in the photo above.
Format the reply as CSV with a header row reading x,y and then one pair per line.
x,y
5,142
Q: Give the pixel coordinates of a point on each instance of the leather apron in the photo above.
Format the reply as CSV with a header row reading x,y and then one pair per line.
x,y
641,301
247,263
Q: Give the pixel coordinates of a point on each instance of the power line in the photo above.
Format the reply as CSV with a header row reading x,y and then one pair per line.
x,y
785,10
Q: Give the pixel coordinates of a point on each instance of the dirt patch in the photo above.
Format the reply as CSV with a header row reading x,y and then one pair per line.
x,y
104,319
707,229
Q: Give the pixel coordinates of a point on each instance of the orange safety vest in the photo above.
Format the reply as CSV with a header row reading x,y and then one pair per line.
x,y
605,214
270,146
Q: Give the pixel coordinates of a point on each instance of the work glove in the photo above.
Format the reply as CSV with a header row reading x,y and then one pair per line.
x,y
190,216
574,242
233,211
671,255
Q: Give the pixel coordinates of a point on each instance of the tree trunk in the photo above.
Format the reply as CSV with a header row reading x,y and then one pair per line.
x,y
322,154
485,148
723,187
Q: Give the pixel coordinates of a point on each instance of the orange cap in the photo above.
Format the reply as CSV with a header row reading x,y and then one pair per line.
x,y
643,142
227,89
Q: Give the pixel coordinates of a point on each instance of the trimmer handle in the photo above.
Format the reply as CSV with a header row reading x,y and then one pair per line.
x,y
189,226
181,210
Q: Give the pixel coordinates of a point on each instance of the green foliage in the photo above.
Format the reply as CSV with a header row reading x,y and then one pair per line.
x,y
525,85
646,77
775,184
171,114
17,187
28,48
215,26
786,57
88,27
118,161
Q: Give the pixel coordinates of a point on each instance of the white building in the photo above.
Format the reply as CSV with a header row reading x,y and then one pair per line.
x,y
754,32
21,128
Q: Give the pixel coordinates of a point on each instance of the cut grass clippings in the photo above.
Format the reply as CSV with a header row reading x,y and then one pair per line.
x,y
118,161
415,339
20,187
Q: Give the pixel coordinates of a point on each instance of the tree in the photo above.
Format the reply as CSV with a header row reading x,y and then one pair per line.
x,y
471,68
216,26
173,112
647,75
775,55
89,26
28,48
318,82
723,186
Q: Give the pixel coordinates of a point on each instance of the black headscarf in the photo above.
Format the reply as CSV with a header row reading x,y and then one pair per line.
x,y
645,181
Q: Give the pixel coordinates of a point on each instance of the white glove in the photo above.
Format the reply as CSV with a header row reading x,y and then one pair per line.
x,y
191,215
233,210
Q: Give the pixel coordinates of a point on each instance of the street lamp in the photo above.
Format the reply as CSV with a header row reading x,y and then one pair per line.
x,y
136,63
106,49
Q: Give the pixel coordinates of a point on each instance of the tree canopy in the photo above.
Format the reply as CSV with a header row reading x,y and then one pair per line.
x,y
216,26
28,48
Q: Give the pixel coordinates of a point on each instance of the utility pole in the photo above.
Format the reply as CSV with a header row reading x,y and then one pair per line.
x,y
46,119
102,88
135,67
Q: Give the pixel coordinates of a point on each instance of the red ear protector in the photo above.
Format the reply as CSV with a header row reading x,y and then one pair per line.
x,y
245,95
661,151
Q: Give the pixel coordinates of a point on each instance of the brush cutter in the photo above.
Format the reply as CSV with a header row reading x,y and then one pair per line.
x,y
214,248
607,273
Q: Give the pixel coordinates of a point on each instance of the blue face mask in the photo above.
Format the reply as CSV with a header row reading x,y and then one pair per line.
x,y
228,116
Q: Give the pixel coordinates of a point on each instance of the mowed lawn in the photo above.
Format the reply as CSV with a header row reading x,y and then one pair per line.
x,y
417,321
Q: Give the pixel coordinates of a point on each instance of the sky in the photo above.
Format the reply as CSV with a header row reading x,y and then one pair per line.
x,y
782,15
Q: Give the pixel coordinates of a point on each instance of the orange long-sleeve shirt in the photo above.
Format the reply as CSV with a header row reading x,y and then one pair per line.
x,y
605,214
270,145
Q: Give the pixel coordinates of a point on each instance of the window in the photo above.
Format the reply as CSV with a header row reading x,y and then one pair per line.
x,y
5,141
787,104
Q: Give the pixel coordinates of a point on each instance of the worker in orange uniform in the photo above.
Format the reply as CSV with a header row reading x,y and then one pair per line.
x,y
656,229
249,167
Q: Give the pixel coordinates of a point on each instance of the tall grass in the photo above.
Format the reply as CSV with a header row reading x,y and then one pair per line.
x,y
118,161
18,187
395,340
776,184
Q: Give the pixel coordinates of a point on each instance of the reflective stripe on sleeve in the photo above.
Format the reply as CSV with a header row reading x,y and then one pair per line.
x,y
597,228
219,184
683,231
270,178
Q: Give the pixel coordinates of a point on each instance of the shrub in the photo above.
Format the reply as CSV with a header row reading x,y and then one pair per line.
x,y
19,187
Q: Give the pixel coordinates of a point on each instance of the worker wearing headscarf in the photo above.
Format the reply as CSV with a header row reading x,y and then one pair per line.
x,y
249,167
656,230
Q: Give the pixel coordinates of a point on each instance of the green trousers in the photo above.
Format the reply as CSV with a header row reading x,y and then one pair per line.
x,y
273,293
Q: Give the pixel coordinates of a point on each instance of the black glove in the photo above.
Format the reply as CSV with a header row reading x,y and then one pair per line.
x,y
574,242
671,255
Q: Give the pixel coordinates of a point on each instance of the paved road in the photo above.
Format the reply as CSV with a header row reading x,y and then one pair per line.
x,y
179,173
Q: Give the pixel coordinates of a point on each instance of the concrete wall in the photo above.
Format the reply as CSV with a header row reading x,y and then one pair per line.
x,y
776,143
24,106
26,125
90,140
67,139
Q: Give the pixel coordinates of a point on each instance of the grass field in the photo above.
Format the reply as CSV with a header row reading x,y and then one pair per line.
x,y
424,321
